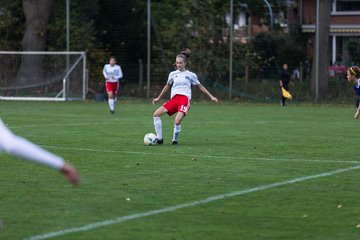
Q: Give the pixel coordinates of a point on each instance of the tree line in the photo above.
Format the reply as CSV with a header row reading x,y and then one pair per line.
x,y
110,27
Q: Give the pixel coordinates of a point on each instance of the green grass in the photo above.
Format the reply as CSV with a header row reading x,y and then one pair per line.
x,y
223,148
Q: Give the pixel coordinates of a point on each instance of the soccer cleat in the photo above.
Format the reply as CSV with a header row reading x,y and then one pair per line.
x,y
112,111
174,143
160,141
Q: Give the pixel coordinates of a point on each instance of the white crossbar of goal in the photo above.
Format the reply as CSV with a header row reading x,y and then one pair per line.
x,y
43,76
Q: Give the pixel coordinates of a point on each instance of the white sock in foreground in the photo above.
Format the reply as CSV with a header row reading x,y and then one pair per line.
x,y
111,104
177,130
158,127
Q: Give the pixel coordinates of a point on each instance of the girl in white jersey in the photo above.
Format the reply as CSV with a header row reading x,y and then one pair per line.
x,y
18,146
180,82
112,73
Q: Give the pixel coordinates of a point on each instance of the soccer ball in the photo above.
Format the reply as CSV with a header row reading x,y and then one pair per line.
x,y
150,139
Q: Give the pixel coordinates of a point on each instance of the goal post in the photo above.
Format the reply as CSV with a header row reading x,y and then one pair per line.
x,y
43,76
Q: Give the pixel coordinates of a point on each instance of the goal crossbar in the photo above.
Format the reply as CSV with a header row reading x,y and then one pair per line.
x,y
43,76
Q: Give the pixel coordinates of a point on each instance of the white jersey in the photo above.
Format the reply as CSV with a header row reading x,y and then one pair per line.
x,y
181,82
112,73
18,146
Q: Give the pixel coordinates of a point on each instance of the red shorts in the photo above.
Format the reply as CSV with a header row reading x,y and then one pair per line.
x,y
112,86
179,103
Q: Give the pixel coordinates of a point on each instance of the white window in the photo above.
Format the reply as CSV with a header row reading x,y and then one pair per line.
x,y
346,7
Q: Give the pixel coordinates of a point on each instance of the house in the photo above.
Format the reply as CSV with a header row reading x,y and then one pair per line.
x,y
247,25
344,26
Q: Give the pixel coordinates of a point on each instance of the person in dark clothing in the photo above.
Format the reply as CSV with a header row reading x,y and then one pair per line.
x,y
284,82
353,75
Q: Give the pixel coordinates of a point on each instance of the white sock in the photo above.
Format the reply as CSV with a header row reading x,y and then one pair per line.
x,y
177,130
111,104
158,127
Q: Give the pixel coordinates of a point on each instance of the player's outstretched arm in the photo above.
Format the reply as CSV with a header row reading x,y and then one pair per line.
x,y
20,147
163,91
204,90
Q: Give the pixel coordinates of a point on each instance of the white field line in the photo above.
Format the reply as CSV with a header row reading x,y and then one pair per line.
x,y
201,156
121,219
122,121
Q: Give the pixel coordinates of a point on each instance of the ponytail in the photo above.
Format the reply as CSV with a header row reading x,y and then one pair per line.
x,y
185,54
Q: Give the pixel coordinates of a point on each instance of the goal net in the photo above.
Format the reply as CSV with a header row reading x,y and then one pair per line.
x,y
48,76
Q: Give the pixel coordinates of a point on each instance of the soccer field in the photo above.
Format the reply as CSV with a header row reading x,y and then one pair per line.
x,y
240,171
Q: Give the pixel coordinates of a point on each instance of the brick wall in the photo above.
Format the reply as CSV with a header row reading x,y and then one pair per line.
x,y
309,11
309,15
345,19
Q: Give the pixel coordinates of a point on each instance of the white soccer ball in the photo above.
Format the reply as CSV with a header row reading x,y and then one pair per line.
x,y
150,139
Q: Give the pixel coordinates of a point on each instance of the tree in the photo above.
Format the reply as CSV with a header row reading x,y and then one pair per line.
x,y
323,33
84,15
11,25
205,34
203,27
45,27
37,14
